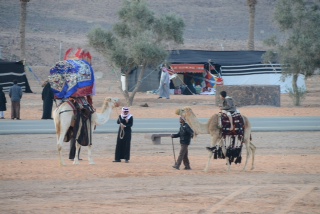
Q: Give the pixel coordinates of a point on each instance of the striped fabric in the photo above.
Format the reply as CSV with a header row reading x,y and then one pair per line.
x,y
258,74
10,71
240,70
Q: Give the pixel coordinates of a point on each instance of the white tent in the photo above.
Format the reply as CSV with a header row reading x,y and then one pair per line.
x,y
259,74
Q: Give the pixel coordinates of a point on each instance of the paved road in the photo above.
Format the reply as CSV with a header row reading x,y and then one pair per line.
x,y
162,125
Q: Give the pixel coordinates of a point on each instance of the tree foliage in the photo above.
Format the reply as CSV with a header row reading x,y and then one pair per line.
x,y
138,40
299,52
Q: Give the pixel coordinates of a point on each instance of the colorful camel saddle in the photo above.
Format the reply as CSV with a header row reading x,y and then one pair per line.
x,y
232,139
71,78
238,124
233,151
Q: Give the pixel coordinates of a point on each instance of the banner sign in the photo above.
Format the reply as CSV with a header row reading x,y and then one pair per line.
x,y
188,68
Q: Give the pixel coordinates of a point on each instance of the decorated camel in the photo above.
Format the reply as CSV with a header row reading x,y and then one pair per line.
x,y
64,117
212,128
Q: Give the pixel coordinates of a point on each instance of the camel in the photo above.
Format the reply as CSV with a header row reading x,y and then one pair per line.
x,y
212,128
63,117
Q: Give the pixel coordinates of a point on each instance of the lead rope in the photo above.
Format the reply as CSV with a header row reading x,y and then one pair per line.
x,y
121,135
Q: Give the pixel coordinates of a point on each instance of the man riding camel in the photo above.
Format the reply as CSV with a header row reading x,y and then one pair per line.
x,y
227,107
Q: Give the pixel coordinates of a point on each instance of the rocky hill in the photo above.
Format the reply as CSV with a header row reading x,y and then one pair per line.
x,y
55,26
213,25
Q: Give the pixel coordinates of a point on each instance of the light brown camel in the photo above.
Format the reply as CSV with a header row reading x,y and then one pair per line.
x,y
64,116
212,128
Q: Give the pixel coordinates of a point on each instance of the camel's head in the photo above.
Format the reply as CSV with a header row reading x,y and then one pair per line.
x,y
113,102
183,111
187,113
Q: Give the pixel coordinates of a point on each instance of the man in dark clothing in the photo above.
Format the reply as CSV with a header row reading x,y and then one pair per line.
x,y
47,97
72,152
124,136
15,93
185,133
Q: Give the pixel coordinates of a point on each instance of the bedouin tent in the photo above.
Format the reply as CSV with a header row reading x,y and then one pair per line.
x,y
195,66
237,67
10,71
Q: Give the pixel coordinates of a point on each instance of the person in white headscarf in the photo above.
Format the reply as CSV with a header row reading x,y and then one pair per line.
x,y
125,122
164,87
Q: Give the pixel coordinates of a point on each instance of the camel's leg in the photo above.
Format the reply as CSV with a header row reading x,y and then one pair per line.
x,y
253,151
60,132
248,149
222,144
90,159
62,119
89,155
208,163
247,157
249,146
215,138
60,138
76,157
224,150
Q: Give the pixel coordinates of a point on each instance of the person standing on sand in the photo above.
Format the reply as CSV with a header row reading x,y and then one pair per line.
x,y
47,98
15,93
124,136
164,88
185,134
3,101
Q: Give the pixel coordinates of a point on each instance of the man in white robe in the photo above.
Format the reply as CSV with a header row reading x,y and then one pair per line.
x,y
164,88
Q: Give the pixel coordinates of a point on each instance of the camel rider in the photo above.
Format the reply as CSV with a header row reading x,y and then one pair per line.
x,y
227,107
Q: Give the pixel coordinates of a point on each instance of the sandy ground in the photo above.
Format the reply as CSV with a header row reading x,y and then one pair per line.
x,y
285,178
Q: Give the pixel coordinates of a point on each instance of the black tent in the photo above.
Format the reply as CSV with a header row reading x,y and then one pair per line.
x,y
10,71
223,58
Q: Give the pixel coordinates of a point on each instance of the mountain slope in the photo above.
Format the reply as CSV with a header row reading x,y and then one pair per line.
x,y
51,24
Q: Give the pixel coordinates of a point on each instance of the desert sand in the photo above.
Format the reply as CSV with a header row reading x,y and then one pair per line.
x,y
285,178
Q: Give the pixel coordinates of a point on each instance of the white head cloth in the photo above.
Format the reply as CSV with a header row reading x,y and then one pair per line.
x,y
123,115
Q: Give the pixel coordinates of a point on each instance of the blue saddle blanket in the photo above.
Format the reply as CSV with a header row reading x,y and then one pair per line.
x,y
72,78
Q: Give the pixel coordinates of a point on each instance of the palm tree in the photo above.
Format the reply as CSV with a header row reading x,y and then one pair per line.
x,y
23,17
252,9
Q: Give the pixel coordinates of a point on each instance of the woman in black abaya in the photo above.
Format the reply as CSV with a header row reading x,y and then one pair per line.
x,y
124,136
47,97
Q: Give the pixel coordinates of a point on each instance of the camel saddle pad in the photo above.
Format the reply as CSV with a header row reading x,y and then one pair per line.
x,y
238,124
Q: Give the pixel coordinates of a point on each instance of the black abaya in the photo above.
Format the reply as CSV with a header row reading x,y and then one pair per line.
x,y
47,97
124,139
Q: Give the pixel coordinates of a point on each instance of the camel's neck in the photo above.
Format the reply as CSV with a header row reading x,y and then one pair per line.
x,y
197,127
104,116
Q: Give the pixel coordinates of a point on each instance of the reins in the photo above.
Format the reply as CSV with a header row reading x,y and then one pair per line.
x,y
65,111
